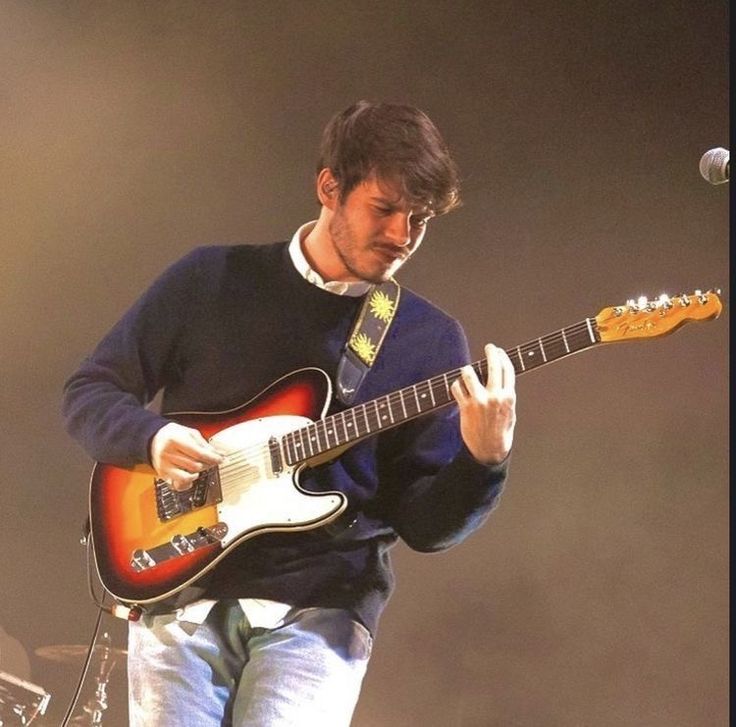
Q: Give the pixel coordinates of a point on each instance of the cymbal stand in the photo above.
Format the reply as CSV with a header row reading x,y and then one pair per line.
x,y
97,704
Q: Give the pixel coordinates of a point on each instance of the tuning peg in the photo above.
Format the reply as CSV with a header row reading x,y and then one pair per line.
x,y
702,297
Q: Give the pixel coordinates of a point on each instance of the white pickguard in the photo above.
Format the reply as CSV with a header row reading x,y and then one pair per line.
x,y
256,499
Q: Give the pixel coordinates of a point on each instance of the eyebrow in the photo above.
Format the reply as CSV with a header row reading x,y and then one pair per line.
x,y
424,211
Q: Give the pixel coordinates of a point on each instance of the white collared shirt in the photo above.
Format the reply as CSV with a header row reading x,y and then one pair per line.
x,y
339,287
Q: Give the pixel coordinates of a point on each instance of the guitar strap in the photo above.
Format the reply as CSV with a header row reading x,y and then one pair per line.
x,y
366,338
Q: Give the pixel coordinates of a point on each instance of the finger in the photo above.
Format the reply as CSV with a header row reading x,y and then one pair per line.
x,y
183,462
472,383
458,391
196,447
501,374
181,480
463,386
495,371
509,372
177,478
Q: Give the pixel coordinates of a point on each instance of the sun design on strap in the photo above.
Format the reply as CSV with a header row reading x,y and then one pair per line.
x,y
364,348
381,306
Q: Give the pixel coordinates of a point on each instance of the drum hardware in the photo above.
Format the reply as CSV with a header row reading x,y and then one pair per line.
x,y
20,701
107,655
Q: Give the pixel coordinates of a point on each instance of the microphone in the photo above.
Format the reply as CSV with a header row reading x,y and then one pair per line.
x,y
714,165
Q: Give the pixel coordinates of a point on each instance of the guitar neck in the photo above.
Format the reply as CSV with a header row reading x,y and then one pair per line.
x,y
347,427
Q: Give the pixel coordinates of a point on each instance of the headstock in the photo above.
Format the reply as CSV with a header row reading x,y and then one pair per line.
x,y
650,318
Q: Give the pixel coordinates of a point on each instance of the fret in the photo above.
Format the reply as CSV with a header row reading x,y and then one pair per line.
x,y
532,360
541,349
431,393
290,454
590,330
447,386
306,444
356,429
294,444
554,347
313,439
367,417
376,413
521,358
322,447
383,417
331,431
401,399
564,340
409,403
416,398
424,385
341,417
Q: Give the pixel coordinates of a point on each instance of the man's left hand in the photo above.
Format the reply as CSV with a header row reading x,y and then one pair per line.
x,y
488,413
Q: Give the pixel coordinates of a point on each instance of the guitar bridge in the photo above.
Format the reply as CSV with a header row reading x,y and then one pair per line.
x,y
171,503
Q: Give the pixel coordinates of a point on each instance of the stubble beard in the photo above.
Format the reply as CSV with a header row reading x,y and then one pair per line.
x,y
343,242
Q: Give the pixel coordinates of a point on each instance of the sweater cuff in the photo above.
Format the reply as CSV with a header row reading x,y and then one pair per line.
x,y
469,465
146,435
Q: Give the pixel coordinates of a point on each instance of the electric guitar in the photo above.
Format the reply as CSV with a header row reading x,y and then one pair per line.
x,y
151,541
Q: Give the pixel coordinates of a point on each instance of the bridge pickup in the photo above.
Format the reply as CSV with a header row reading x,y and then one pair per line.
x,y
179,545
171,503
274,450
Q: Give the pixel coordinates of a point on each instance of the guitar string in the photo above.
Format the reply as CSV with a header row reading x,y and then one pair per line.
x,y
400,396
243,456
421,389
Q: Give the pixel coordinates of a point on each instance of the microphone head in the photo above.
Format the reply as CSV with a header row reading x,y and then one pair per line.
x,y
714,165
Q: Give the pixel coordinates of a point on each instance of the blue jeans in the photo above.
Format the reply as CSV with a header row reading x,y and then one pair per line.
x,y
307,672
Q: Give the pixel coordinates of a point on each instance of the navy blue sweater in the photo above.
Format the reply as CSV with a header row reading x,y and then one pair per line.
x,y
213,331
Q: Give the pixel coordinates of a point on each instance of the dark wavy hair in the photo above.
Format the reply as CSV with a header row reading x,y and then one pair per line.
x,y
394,142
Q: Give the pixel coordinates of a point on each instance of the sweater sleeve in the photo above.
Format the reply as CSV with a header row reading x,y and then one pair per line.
x,y
104,401
435,492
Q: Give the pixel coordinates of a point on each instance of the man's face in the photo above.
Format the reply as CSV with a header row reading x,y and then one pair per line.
x,y
374,231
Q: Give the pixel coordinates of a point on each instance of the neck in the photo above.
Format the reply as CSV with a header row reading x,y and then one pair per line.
x,y
319,250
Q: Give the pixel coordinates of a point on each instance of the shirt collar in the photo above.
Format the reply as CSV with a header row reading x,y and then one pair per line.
x,y
339,287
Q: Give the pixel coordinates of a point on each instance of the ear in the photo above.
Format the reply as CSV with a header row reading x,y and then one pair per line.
x,y
328,190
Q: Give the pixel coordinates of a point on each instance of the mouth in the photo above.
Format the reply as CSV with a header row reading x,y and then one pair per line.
x,y
391,254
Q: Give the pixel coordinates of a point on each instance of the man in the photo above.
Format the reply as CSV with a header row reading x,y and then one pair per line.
x,y
282,629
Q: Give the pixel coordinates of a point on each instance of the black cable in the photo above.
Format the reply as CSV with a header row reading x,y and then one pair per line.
x,y
85,668
101,608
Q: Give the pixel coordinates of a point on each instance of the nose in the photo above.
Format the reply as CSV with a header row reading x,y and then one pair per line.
x,y
398,229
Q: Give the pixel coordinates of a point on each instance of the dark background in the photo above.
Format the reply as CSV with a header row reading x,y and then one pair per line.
x,y
132,131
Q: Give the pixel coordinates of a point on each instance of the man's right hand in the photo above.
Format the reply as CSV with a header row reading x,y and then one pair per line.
x,y
179,454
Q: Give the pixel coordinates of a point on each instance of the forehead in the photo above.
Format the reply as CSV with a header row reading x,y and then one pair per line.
x,y
390,191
